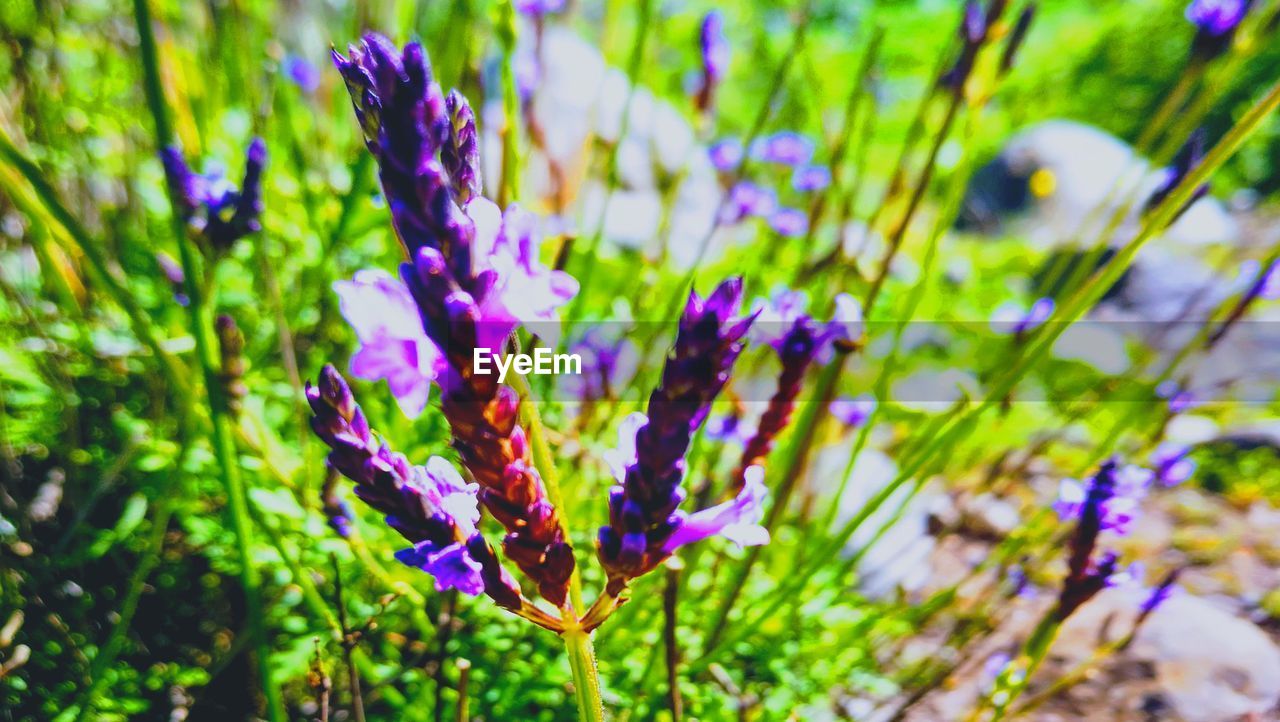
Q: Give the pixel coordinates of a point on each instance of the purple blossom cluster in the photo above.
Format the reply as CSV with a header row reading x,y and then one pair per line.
x,y
1015,320
1216,23
217,212
715,53
645,522
800,342
473,276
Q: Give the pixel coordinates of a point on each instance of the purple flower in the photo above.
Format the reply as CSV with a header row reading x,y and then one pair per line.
x,y
715,48
1189,156
302,73
430,505
393,345
649,462
737,520
539,8
995,666
212,206
715,58
777,315
1161,593
608,362
785,147
789,222
853,412
174,274
1269,286
729,429
1126,487
1012,318
1216,22
811,178
523,290
473,274
1171,465
973,33
747,199
725,154
438,486
1179,399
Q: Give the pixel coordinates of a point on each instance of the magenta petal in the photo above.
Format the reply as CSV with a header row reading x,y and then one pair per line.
x,y
737,520
452,566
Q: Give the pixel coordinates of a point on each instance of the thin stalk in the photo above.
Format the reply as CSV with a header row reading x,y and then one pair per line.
x,y
670,641
349,641
509,188
224,447
586,677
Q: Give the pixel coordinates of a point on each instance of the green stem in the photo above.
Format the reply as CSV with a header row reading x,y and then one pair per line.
x,y
224,446
586,678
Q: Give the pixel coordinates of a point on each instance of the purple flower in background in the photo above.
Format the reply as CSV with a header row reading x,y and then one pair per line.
x,y
715,58
853,412
650,459
302,73
747,199
811,178
1216,22
737,520
1269,286
1125,487
995,666
1087,575
539,8
1160,594
1179,398
789,222
219,213
1188,157
729,428
776,315
847,324
174,274
393,345
785,147
1012,318
725,154
1171,465
608,362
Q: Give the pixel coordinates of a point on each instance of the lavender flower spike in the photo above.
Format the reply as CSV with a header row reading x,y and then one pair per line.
x,y
643,516
216,211
474,276
1086,576
715,58
1216,23
430,506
